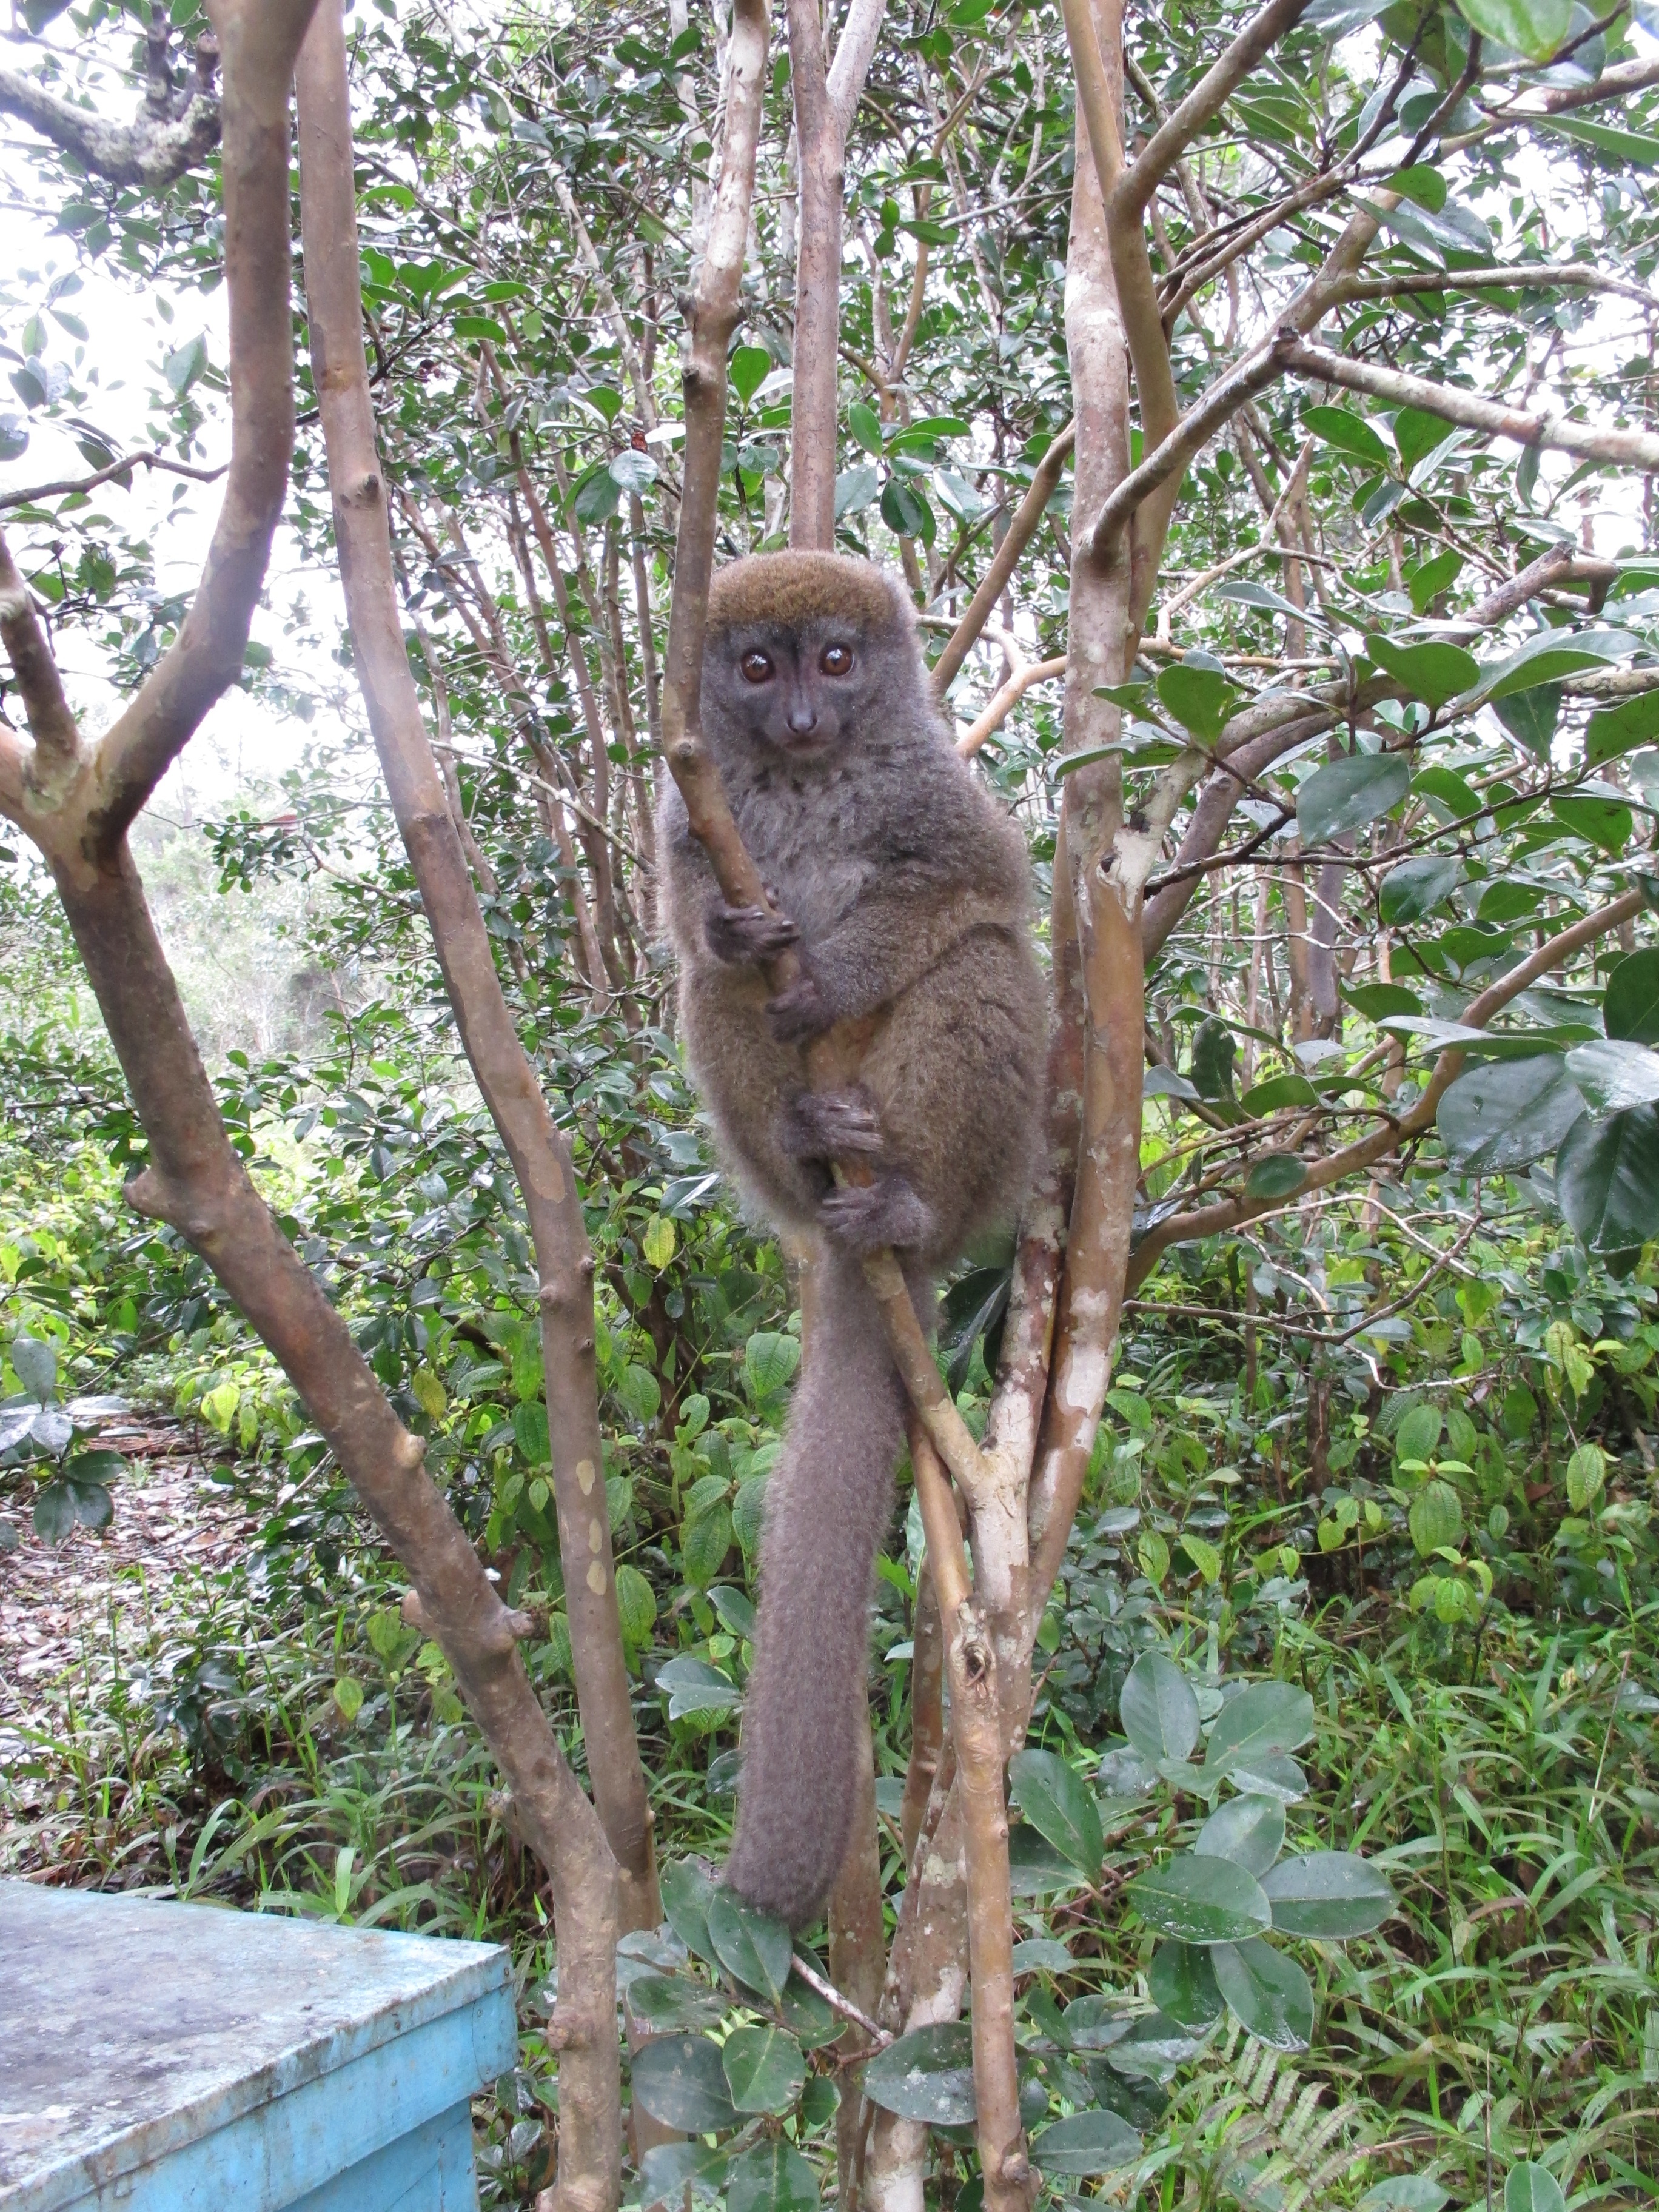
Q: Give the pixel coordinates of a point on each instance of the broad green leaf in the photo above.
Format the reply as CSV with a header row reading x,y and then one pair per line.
x,y
1349,433
1416,434
1215,1049
705,1540
1265,1718
1530,717
1203,1554
1094,2023
1249,1831
1630,1008
636,1605
1035,1867
1404,2193
35,1366
1586,1472
906,511
1417,1435
1201,1900
1088,2142
1450,796
1378,1000
695,1686
679,2080
1426,584
1606,1178
182,367
1330,1895
530,1433
1533,2188
866,425
1180,1982
1152,2049
1278,1175
749,368
856,488
1347,794
927,2076
747,1508
1200,699
1054,1798
764,2070
687,1887
1157,1709
1506,1113
1267,1993
348,1694
772,2177
820,2100
1603,821
806,2016
597,495
1613,1073
674,2001
750,1945
1615,730
1435,1519
632,469
1278,1092
1533,28
1416,887
1637,148
668,2170
1269,1774
1432,672
736,1609
768,1361
1042,1954
1550,655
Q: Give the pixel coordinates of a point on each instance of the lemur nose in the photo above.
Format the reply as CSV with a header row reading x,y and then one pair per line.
x,y
804,719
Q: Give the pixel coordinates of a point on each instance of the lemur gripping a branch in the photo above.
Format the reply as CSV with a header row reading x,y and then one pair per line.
x,y
905,887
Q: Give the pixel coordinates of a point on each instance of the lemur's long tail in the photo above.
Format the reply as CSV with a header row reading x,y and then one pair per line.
x,y
827,1507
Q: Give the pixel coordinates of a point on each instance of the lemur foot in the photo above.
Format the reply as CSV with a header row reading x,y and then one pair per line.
x,y
798,1014
832,1125
863,1217
743,936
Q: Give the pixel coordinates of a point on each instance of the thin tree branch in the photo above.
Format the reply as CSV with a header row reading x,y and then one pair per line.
x,y
151,152
31,494
1022,528
1200,107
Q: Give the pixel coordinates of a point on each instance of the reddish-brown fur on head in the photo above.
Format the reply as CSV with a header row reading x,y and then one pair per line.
x,y
788,589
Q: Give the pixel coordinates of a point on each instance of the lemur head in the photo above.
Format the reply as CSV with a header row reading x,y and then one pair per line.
x,y
805,649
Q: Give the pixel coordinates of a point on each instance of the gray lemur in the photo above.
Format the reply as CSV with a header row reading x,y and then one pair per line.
x,y
906,888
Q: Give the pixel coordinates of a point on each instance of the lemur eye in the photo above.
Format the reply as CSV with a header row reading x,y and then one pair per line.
x,y
756,667
836,660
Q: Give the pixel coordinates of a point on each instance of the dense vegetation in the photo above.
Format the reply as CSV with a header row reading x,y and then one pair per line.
x,y
1381,1433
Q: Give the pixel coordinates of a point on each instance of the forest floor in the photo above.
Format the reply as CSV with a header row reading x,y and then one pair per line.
x,y
79,1616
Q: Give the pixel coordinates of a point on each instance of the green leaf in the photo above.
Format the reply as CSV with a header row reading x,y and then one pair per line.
x,y
1281,1175
1637,148
1203,1554
1603,821
636,1605
856,488
679,2080
1507,1113
669,2169
1094,2023
1404,2193
1416,887
752,1946
597,495
349,1696
1533,28
1426,584
1157,1709
182,367
1055,1800
1433,672
1347,794
1332,1896
687,1889
1349,433
1378,1000
1087,2143
747,1508
530,1433
1278,1092
1417,1435
806,2016
35,1366
1435,1519
1530,717
1630,1007
1200,699
1249,1831
632,471
1533,2188
674,2002
1606,1178
1215,1049
764,2070
1266,1718
749,368
1550,655
772,2177
1201,1900
1267,1993
1615,730
1180,1982
1450,797
705,1540
1427,187
1586,1473
1613,1073
695,1686
866,425
927,2076
768,1361
906,511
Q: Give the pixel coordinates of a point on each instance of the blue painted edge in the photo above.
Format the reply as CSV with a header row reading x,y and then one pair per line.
x,y
281,2150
